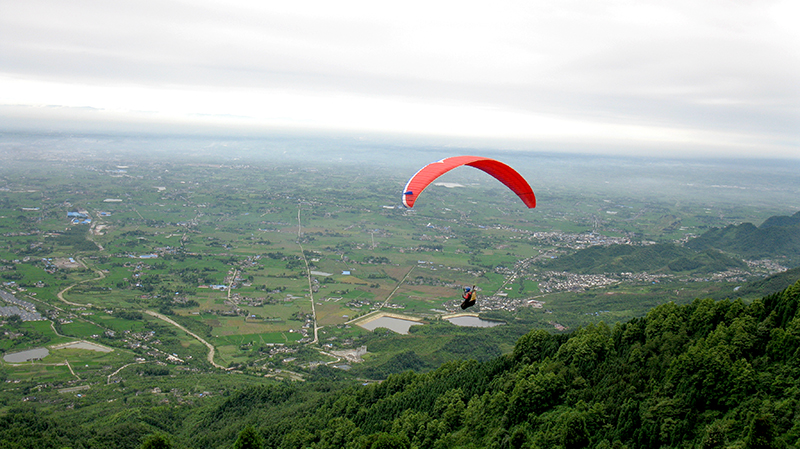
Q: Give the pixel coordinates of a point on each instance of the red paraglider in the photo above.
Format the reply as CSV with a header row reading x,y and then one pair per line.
x,y
499,170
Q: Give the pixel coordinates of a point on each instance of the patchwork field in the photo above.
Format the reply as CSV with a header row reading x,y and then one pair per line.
x,y
266,262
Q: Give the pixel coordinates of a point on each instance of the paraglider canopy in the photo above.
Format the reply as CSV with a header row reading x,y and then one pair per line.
x,y
497,169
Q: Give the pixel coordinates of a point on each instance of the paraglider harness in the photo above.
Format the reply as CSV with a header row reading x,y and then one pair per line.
x,y
469,297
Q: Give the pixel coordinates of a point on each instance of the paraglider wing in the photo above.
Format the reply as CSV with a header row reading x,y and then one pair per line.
x,y
497,169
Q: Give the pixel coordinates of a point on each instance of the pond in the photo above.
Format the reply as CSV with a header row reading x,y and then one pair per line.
x,y
473,321
85,345
24,356
398,325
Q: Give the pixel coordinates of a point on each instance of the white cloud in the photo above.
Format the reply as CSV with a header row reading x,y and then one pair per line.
x,y
720,76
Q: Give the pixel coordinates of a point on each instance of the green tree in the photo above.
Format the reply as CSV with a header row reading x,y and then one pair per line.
x,y
390,441
534,393
573,433
529,347
298,438
249,438
450,408
761,434
156,441
413,424
587,347
714,437
338,433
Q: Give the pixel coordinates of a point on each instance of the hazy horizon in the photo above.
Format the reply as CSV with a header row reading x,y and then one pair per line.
x,y
771,184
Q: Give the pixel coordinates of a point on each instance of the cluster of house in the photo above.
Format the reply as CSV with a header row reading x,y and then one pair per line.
x,y
24,309
82,216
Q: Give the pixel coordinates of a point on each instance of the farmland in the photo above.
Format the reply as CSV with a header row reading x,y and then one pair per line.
x,y
270,260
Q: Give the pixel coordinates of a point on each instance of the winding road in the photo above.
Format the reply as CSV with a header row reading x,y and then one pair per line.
x,y
210,347
101,275
60,294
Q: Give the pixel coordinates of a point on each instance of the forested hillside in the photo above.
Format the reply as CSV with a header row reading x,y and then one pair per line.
x,y
708,374
778,236
658,258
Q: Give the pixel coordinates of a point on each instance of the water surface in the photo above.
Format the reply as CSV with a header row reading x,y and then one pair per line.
x,y
24,356
398,325
86,345
473,321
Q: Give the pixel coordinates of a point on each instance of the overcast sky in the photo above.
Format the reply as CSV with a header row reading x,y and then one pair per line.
x,y
672,77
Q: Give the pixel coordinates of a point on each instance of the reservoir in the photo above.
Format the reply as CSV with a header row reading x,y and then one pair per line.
x,y
398,325
473,321
24,356
83,345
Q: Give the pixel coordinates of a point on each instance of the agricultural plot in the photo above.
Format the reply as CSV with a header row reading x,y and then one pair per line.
x,y
81,329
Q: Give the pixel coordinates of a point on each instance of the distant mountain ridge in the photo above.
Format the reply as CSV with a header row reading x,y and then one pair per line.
x,y
781,220
658,258
778,236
